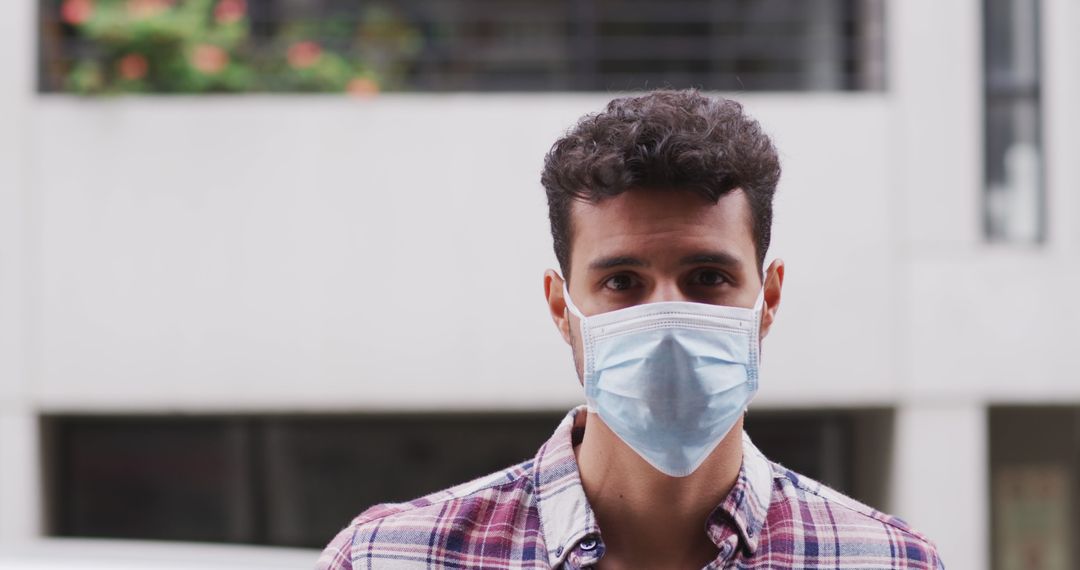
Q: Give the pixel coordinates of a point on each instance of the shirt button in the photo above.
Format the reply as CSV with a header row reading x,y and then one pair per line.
x,y
558,551
588,543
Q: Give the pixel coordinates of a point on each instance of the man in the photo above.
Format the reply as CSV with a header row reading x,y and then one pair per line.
x,y
661,210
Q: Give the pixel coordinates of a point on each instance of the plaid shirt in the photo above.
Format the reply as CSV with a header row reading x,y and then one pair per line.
x,y
535,515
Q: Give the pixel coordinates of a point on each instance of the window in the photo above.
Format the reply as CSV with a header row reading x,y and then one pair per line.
x,y
1035,486
104,46
847,450
1015,201
297,480
292,481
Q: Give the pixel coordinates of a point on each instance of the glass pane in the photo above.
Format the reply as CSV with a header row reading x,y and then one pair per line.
x,y
296,481
1014,199
1035,486
320,473
151,478
196,46
846,450
291,481
1014,171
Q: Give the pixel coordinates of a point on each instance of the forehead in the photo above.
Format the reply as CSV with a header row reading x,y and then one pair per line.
x,y
659,221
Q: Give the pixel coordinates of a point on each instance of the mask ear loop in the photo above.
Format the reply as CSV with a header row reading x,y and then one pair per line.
x,y
570,303
759,306
581,330
759,303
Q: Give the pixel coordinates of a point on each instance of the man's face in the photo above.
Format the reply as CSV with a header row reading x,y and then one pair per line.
x,y
648,246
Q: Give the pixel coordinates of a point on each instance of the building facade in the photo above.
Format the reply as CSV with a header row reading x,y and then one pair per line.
x,y
279,256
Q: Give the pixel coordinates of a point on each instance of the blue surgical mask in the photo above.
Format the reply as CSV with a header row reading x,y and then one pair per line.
x,y
671,379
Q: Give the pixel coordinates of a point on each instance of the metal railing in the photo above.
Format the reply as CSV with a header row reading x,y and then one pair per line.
x,y
466,45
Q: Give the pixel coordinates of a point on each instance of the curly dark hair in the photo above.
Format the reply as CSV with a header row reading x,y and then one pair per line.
x,y
664,139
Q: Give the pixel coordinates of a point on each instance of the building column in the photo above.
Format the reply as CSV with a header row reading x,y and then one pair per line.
x,y
939,478
20,473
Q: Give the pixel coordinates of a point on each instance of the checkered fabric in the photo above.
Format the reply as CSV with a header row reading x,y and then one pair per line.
x,y
535,515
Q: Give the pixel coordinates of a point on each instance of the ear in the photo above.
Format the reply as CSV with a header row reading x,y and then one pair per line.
x,y
774,283
553,292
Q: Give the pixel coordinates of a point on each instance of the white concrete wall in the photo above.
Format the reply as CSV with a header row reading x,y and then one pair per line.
x,y
20,501
311,253
295,253
940,478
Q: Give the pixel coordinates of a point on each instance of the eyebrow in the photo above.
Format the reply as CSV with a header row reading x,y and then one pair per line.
x,y
618,261
721,258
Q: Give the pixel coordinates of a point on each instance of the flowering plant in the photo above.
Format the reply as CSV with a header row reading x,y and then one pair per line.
x,y
193,46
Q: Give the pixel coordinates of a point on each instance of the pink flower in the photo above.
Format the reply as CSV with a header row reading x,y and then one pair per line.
x,y
147,8
230,11
304,54
209,59
132,66
75,12
362,87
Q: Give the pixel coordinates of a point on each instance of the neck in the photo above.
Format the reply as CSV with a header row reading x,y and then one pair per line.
x,y
646,516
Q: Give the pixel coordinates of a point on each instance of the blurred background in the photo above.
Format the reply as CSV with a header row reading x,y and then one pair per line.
x,y
264,263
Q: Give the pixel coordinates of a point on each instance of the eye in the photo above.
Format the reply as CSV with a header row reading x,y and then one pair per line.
x,y
620,282
708,278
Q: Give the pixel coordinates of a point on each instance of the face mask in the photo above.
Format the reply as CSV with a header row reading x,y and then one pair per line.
x,y
671,378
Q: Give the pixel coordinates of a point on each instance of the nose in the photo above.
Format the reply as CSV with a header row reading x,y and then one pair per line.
x,y
665,291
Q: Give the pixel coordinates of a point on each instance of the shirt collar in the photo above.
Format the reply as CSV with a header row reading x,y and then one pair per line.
x,y
747,505
565,514
566,517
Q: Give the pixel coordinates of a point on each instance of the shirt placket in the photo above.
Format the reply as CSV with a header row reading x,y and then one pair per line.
x,y
727,544
585,554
